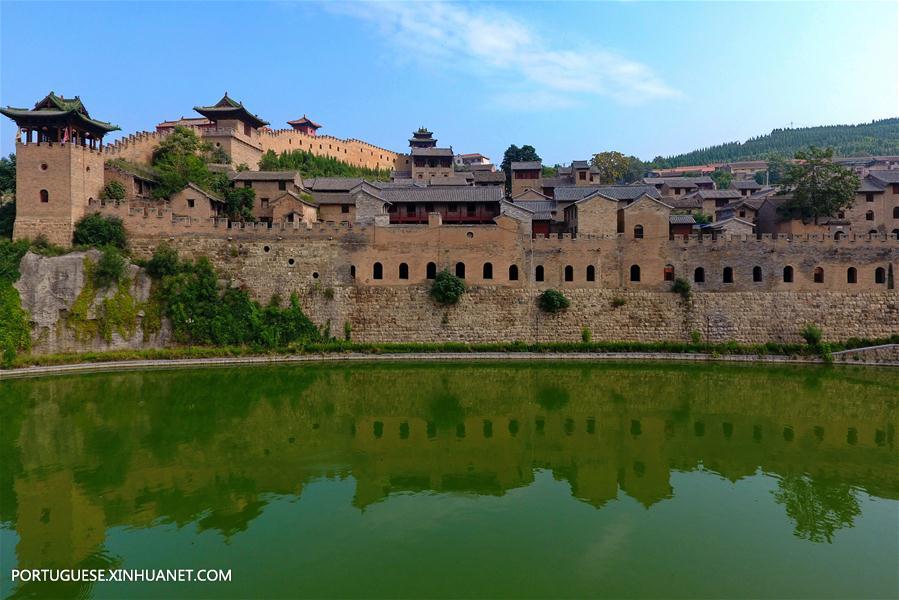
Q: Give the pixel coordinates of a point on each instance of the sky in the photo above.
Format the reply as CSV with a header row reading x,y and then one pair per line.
x,y
571,79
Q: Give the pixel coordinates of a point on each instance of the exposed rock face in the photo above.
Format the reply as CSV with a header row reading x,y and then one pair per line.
x,y
49,288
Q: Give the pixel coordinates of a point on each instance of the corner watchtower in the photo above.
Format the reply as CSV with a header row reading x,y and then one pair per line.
x,y
59,166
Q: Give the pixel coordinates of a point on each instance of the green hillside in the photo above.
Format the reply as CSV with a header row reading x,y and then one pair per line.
x,y
874,138
310,165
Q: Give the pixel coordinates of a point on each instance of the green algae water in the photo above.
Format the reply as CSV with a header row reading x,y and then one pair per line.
x,y
456,480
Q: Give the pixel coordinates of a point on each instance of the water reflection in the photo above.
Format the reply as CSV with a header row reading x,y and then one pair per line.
x,y
81,455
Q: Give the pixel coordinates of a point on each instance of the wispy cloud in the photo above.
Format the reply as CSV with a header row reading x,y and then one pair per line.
x,y
518,66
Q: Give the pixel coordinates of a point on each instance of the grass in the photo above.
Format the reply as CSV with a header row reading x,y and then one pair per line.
x,y
347,347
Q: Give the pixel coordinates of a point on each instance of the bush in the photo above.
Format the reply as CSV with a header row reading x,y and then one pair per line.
x,y
113,190
347,330
164,262
681,286
618,302
586,335
695,336
553,301
98,230
811,334
7,218
11,254
447,288
109,269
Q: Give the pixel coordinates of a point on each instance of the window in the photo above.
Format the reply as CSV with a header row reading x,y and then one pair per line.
x,y
851,275
378,271
410,210
538,273
591,273
818,275
635,272
472,210
873,232
345,208
352,271
699,275
880,275
282,185
488,270
895,233
191,202
788,274
431,271
869,216
582,175
728,275
513,273
429,208
569,273
869,197
45,196
404,271
248,184
638,232
839,235
460,270
896,212
668,273
263,202
756,274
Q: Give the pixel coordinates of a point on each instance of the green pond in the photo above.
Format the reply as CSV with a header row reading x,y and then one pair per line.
x,y
457,480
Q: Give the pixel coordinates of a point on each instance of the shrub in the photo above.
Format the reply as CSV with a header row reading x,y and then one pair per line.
x,y
164,262
586,335
681,286
347,330
447,288
812,334
618,302
7,218
98,230
695,336
109,269
553,301
114,190
11,254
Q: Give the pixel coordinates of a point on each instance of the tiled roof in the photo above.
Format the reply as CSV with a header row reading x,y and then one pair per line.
x,y
679,182
229,108
682,220
444,181
717,194
296,197
542,210
200,190
554,182
579,164
432,152
482,167
689,202
870,184
450,194
333,184
489,176
304,120
886,176
746,184
527,166
572,193
263,175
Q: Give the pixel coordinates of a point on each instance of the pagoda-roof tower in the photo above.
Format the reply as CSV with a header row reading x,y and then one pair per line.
x,y
304,121
422,139
227,108
57,112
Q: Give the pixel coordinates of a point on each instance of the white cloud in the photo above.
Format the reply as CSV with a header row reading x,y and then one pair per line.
x,y
519,66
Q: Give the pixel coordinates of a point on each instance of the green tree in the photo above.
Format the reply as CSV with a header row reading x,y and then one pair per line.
x,y
612,166
8,175
114,190
553,301
447,288
99,230
816,186
7,219
722,178
512,154
179,160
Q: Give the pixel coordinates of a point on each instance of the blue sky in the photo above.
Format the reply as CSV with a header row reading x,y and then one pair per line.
x,y
571,79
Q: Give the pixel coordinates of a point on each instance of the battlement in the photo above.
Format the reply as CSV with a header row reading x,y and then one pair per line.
x,y
58,147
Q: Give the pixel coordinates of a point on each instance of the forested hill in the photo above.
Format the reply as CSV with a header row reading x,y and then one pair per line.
x,y
874,138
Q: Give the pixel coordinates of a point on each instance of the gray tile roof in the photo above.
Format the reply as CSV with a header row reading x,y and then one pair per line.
x,y
746,184
682,220
449,194
444,181
679,182
541,209
489,177
870,184
263,175
556,181
682,202
615,192
525,166
480,167
889,176
332,198
717,194
432,152
579,164
333,184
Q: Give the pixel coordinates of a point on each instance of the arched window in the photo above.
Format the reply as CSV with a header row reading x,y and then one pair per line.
x,y
756,274
460,270
896,212
851,275
896,233
788,274
873,232
488,270
377,271
352,271
869,216
839,235
728,275
699,275
668,273
638,232
404,271
538,273
513,273
431,271
45,196
591,273
569,273
818,275
880,275
635,272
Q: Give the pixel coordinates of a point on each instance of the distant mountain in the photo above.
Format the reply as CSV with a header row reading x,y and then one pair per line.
x,y
874,138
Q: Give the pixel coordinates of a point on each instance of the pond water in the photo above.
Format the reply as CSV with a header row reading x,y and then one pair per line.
x,y
457,480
